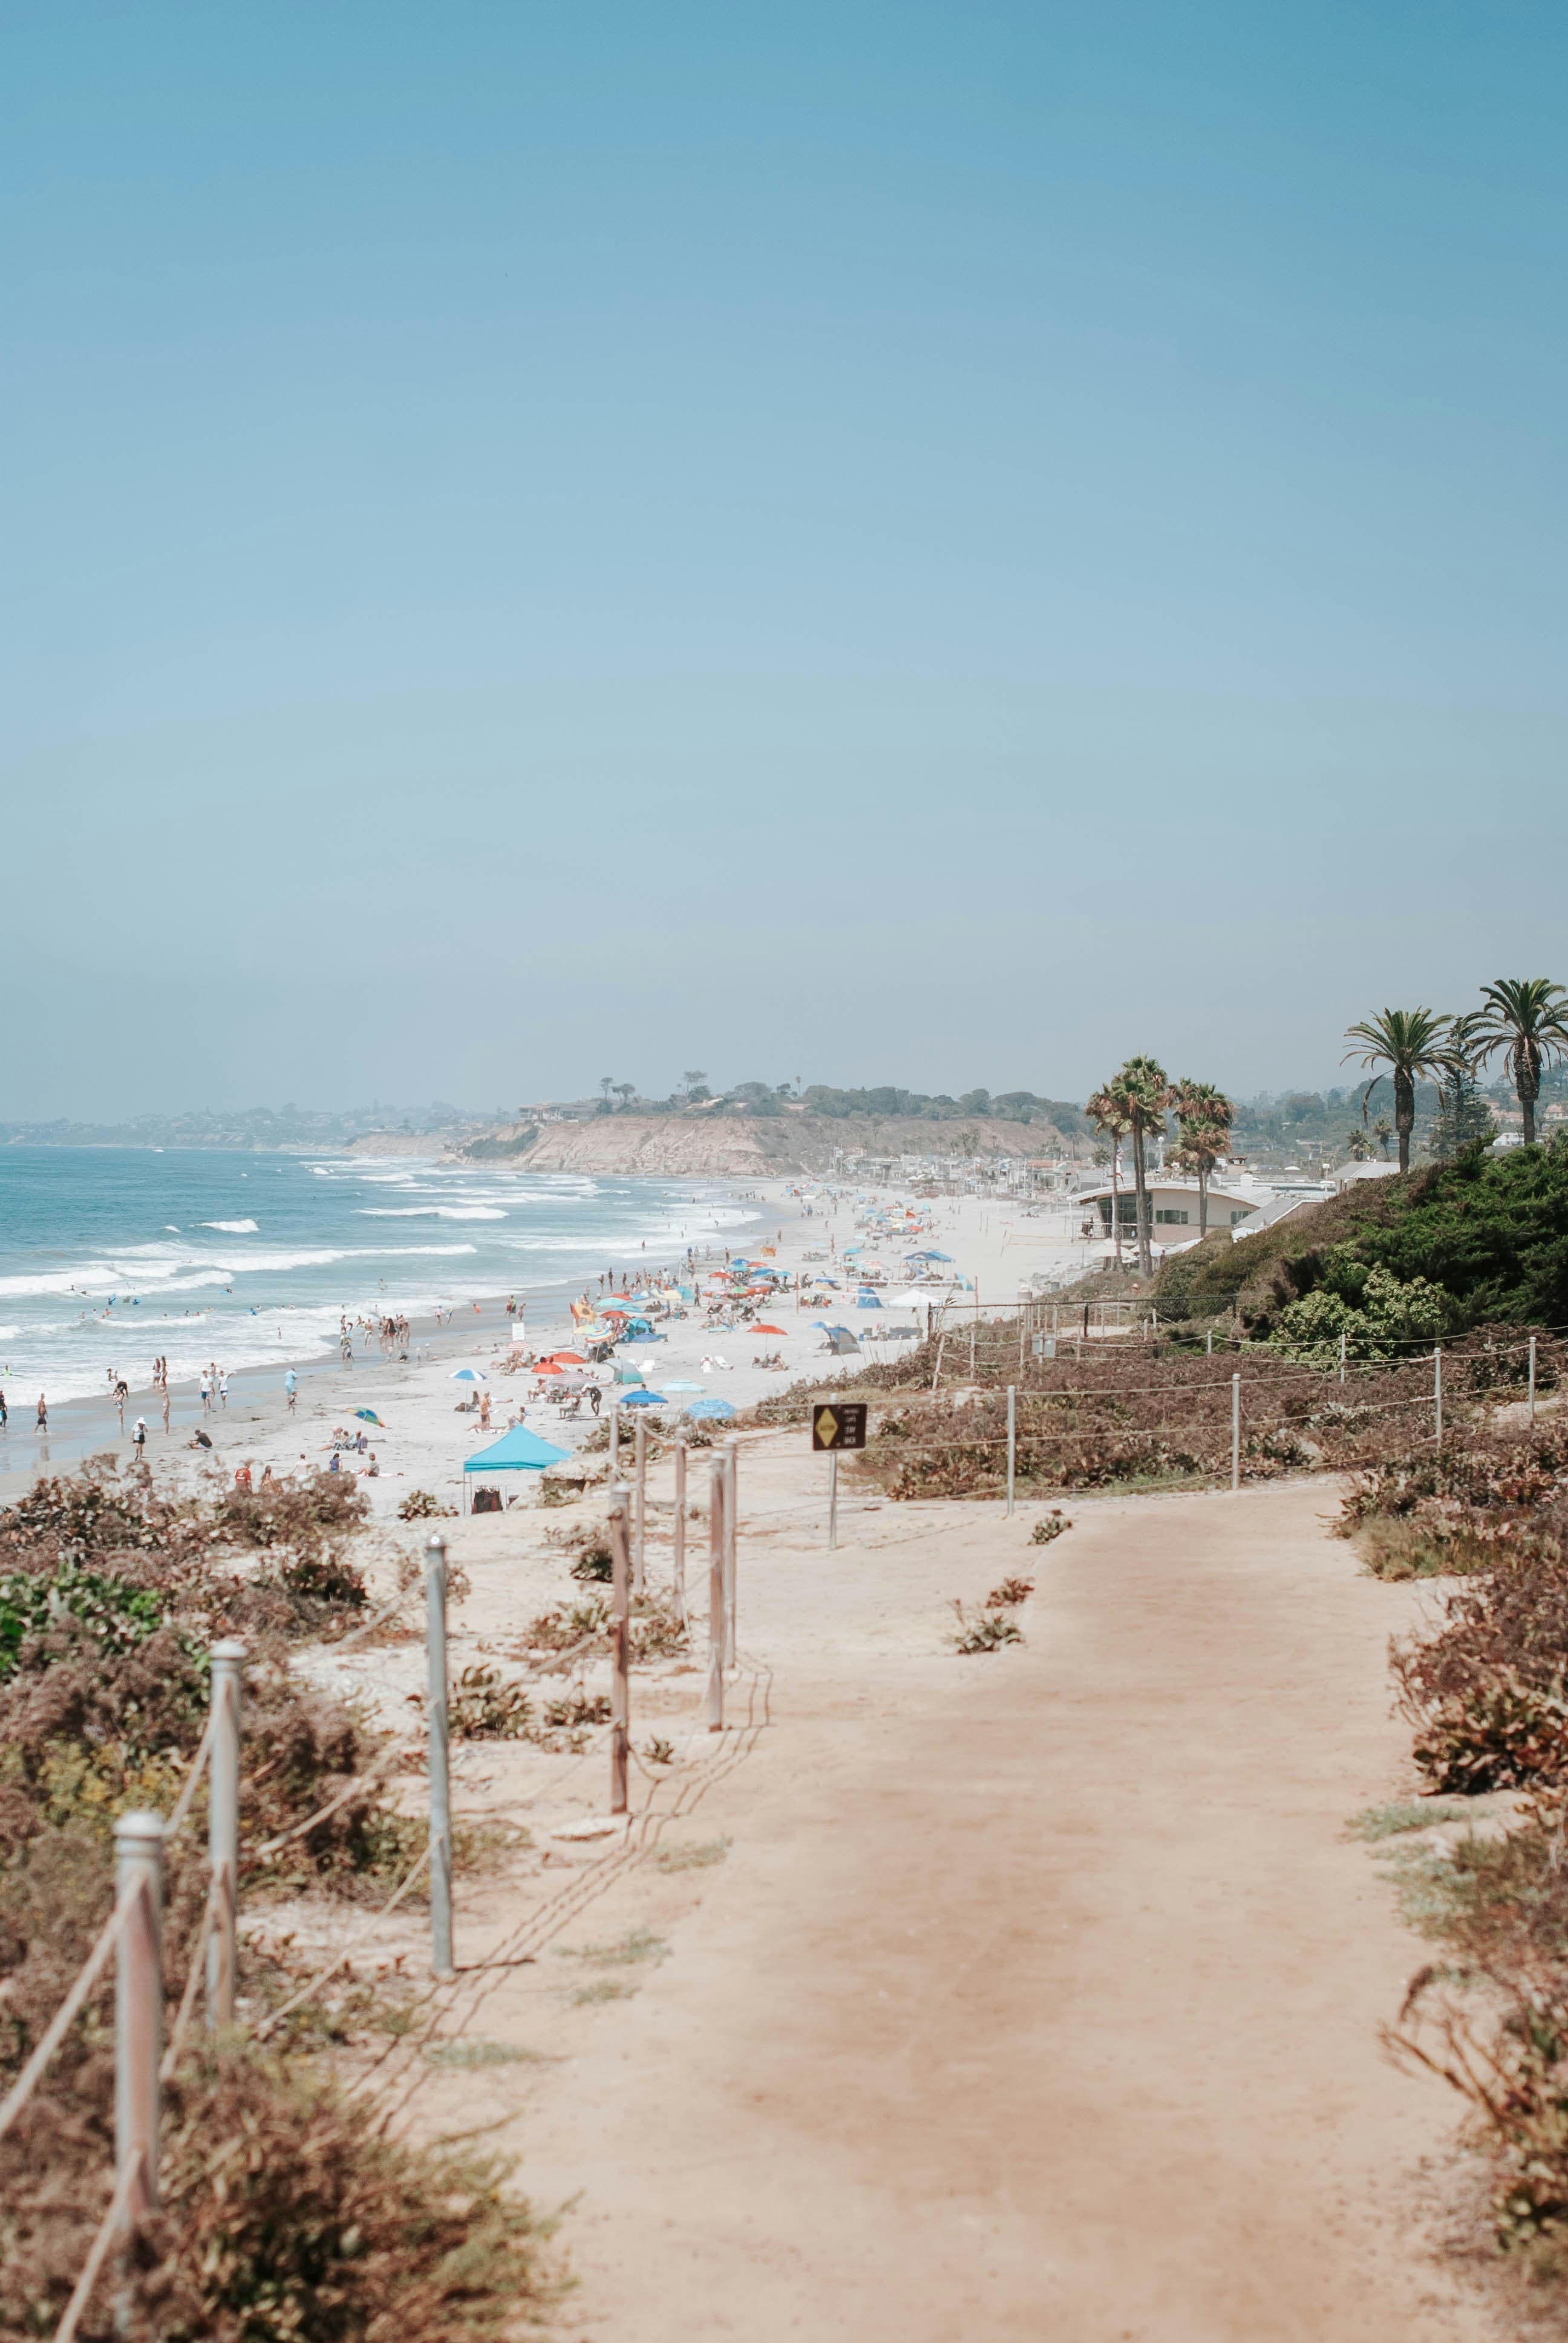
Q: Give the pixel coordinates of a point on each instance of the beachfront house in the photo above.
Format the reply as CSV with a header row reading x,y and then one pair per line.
x,y
1172,1208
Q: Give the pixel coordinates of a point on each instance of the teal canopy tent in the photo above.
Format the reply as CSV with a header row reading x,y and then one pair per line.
x,y
517,1450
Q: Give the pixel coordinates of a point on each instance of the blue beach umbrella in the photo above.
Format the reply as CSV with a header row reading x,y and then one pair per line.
x,y
675,1386
643,1398
468,1375
368,1415
716,1409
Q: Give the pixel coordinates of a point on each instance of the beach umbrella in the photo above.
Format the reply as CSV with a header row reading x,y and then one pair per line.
x,y
368,1415
468,1375
614,1313
567,1359
675,1386
767,1329
549,1367
643,1398
938,1256
715,1410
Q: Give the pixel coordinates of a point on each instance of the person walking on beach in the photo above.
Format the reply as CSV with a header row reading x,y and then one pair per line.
x,y
222,1389
43,1413
122,1394
166,1397
140,1437
4,1413
206,1388
291,1385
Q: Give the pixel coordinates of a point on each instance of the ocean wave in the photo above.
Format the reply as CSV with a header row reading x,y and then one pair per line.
x,y
233,1228
428,1213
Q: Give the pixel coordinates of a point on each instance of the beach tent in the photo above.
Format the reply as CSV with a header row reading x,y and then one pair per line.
x,y
866,1302
517,1450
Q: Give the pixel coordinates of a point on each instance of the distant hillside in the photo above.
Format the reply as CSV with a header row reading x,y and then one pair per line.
x,y
744,1146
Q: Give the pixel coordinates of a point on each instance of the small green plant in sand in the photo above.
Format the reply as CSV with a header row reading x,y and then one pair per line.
x,y
578,1707
658,1750
483,1706
983,1631
1407,1814
1010,1591
422,1505
691,1858
1050,1525
468,2053
602,1989
629,1951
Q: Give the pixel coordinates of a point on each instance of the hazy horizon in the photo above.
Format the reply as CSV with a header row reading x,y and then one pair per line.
x,y
1000,538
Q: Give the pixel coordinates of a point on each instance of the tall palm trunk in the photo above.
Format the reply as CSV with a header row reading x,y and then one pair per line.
x,y
1203,1197
1141,1183
1116,1201
1404,1113
1527,1085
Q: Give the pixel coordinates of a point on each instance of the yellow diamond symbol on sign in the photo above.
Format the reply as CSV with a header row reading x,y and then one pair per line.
x,y
827,1427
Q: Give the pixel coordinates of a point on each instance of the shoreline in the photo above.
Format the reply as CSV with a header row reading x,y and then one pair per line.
x,y
420,1436
88,1426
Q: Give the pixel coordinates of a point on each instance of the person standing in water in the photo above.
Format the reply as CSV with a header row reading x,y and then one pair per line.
x,y
43,1413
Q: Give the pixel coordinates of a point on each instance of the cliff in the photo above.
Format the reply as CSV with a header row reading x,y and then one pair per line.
x,y
739,1146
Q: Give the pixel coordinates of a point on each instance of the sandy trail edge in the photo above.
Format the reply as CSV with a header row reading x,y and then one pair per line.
x,y
1038,1993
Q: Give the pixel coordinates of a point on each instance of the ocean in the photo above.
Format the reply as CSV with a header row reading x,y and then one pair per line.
x,y
110,1255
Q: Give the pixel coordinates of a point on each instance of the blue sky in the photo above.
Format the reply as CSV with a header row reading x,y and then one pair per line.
x,y
910,544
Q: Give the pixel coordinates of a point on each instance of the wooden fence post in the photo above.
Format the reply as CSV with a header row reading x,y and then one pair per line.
x,y
1012,1444
680,1560
1235,1431
619,1680
139,2007
731,1512
639,1503
223,1831
437,1752
713,1703
1437,1394
1533,1379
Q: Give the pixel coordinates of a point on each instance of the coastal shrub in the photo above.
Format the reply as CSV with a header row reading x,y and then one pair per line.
x,y
1049,1527
984,1632
1377,1316
285,2215
483,1706
420,1505
1010,1591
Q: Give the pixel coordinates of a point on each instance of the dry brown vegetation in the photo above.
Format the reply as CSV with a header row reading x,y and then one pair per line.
x,y
287,2215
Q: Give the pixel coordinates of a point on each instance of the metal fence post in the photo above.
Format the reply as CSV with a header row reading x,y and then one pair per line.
x,y
1437,1393
1235,1431
832,1501
713,1702
731,1509
615,1440
223,1831
619,1683
638,1502
139,2007
1012,1444
680,1562
436,1742
1342,1355
1533,1379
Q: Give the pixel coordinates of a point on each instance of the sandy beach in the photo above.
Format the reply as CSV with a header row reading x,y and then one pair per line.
x,y
996,1246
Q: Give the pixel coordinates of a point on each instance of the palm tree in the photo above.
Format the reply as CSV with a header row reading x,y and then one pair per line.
x,y
1145,1095
626,1092
692,1077
1360,1145
1204,1135
1109,1117
1522,1015
1383,1131
607,1085
1409,1043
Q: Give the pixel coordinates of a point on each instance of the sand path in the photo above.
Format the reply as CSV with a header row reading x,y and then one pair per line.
x,y
1038,1992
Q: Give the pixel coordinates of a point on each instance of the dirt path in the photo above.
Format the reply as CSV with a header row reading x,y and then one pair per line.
x,y
1035,1993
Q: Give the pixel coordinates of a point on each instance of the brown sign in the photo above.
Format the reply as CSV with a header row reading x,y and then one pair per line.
x,y
838,1423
